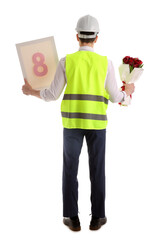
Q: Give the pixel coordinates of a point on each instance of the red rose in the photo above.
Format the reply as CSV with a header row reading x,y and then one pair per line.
x,y
131,61
136,65
126,60
137,62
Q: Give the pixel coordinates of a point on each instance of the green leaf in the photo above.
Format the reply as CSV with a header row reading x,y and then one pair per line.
x,y
131,68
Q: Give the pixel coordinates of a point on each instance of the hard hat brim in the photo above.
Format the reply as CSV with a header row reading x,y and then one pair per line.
x,y
87,36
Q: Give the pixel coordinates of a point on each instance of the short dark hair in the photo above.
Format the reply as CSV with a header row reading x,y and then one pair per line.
x,y
87,40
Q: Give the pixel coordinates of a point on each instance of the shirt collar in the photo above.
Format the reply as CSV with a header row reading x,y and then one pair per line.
x,y
86,48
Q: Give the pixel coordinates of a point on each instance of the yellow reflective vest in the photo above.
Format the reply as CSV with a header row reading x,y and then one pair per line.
x,y
85,99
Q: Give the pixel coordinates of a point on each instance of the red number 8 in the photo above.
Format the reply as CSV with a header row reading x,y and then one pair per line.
x,y
39,63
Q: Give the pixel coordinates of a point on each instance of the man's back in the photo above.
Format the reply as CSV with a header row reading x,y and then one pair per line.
x,y
85,99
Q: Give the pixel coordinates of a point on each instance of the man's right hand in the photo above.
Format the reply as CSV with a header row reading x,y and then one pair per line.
x,y
28,90
129,88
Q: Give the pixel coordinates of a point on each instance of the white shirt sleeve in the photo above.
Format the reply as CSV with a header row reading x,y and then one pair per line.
x,y
57,85
111,85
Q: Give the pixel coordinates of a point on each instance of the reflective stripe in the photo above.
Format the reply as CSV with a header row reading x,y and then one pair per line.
x,y
84,116
85,97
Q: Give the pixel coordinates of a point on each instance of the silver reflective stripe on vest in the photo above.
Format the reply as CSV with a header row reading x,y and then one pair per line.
x,y
84,116
85,97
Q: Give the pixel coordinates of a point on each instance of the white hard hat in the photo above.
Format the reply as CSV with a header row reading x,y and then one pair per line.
x,y
87,24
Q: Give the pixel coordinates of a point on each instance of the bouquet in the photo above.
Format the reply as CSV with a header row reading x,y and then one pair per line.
x,y
130,71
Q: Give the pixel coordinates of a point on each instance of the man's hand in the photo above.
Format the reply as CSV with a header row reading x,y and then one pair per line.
x,y
129,88
28,90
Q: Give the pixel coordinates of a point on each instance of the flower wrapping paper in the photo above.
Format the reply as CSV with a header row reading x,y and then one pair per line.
x,y
127,77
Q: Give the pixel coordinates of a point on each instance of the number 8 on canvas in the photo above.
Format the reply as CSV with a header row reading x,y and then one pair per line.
x,y
40,68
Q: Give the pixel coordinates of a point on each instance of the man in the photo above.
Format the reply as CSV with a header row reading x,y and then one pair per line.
x,y
90,83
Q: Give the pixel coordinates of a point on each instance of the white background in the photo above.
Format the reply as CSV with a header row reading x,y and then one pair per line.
x,y
31,131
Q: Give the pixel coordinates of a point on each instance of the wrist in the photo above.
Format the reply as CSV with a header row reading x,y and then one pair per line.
x,y
35,93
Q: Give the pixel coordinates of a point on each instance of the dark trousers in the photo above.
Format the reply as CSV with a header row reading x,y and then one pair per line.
x,y
73,140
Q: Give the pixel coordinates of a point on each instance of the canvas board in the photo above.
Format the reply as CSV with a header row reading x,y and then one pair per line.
x,y
38,60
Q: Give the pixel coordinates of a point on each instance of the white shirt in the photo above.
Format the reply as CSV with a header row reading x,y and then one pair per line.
x,y
58,84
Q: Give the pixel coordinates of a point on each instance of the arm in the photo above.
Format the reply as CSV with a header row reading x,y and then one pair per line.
x,y
112,88
57,85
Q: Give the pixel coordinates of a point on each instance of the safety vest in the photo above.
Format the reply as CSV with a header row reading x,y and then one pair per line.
x,y
85,99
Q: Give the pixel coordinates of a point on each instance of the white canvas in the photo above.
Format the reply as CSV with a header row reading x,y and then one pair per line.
x,y
38,61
